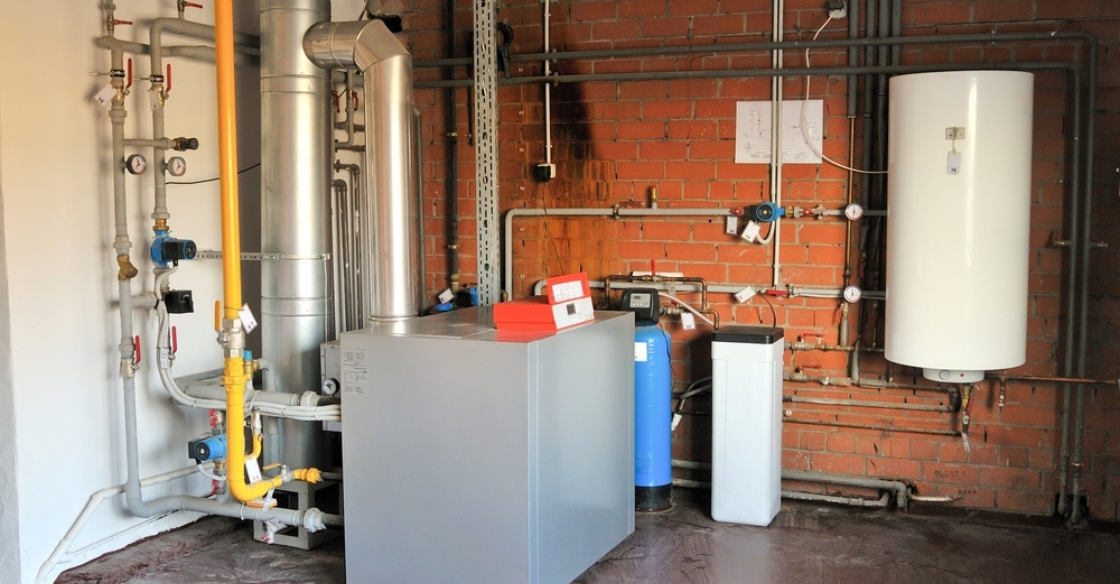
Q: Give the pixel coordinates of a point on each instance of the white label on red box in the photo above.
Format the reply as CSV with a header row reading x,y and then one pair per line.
x,y
566,291
573,312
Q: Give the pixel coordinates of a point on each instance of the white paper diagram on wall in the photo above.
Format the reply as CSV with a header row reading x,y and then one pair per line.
x,y
753,123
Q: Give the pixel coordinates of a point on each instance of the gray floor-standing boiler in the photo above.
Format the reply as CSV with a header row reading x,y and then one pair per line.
x,y
480,456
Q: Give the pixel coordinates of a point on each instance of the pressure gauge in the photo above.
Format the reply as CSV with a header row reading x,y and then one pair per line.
x,y
853,212
852,294
176,166
136,164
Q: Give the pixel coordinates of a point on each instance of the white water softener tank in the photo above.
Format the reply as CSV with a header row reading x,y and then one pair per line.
x,y
958,222
747,424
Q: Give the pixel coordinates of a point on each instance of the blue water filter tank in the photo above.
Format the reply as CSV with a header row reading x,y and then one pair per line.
x,y
653,452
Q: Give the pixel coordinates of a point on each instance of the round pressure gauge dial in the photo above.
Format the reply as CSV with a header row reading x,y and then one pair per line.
x,y
176,166
136,164
853,212
852,294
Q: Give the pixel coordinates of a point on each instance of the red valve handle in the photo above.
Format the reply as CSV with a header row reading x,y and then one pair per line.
x,y
116,22
355,99
191,5
168,77
174,340
136,347
337,107
128,82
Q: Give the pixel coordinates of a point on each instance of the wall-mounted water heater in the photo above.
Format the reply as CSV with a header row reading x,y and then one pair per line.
x,y
958,222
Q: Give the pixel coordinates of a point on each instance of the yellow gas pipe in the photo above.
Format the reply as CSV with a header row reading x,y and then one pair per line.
x,y
233,336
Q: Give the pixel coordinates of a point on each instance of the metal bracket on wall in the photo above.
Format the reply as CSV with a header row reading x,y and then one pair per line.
x,y
213,254
486,151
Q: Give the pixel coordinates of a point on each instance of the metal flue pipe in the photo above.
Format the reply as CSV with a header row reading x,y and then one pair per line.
x,y
296,157
393,276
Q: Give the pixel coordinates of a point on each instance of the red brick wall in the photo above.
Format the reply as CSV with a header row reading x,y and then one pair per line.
x,y
616,142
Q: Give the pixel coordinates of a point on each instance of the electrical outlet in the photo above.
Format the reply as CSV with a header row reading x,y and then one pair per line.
x,y
837,9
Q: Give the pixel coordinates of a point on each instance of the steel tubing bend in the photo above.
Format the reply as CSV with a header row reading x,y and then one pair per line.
x,y
393,278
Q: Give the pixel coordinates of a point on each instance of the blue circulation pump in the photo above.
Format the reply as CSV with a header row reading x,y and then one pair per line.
x,y
169,250
653,411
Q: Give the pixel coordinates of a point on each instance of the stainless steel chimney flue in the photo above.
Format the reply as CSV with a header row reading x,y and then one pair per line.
x,y
392,276
296,140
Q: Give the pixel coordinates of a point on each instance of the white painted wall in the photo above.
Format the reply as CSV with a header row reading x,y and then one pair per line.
x,y
61,434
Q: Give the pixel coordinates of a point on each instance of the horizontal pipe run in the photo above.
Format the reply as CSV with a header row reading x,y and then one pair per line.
x,y
1039,379
198,52
900,489
690,464
864,382
804,291
752,73
613,212
775,46
883,502
876,428
868,404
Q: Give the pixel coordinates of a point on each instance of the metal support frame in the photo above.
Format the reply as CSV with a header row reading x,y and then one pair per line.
x,y
486,152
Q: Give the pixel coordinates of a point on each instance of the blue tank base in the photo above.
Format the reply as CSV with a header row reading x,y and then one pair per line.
x,y
653,498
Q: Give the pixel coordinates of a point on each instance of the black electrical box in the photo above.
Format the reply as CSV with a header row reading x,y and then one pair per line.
x,y
179,301
644,303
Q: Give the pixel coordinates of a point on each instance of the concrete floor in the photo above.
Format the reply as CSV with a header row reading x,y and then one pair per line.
x,y
807,544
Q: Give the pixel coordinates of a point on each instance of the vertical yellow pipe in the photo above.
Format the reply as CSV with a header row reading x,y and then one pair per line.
x,y
227,157
235,377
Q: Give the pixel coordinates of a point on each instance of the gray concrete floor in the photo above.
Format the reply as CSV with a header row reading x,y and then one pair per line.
x,y
806,544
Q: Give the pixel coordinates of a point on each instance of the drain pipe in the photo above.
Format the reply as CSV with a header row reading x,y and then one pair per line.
x,y
393,278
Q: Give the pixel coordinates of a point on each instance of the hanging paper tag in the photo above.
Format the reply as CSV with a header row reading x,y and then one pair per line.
x,y
153,99
954,165
106,95
688,321
164,358
751,232
446,296
248,321
967,448
641,353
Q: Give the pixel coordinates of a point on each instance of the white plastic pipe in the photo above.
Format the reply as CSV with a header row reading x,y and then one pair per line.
x,y
61,554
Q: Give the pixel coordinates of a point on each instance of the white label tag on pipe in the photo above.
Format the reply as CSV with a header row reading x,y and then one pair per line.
x,y
446,296
688,321
106,95
153,99
252,470
248,321
731,225
954,165
751,231
745,294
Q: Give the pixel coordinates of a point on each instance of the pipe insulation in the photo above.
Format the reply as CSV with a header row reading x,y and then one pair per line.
x,y
393,275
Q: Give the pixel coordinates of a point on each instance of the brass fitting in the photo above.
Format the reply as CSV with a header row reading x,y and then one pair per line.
x,y
127,270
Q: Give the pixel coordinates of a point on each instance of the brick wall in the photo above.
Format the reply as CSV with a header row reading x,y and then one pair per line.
x,y
615,142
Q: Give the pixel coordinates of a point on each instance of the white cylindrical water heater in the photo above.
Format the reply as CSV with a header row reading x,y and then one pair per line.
x,y
958,222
